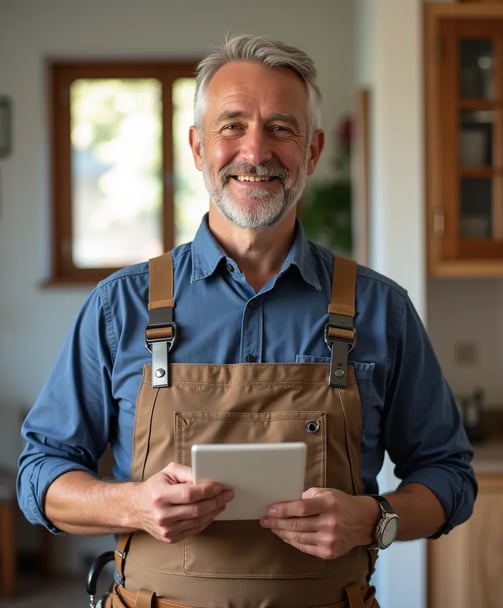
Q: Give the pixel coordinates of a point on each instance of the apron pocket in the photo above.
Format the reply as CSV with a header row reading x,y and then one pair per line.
x,y
237,549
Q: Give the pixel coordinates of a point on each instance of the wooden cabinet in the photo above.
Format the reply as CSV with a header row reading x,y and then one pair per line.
x,y
465,567
464,138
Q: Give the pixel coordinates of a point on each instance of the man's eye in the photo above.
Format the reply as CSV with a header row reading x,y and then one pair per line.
x,y
231,128
281,130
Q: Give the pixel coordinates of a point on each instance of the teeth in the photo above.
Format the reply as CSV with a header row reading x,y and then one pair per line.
x,y
252,178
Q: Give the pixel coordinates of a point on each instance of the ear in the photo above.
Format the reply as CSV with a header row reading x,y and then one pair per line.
x,y
196,146
315,149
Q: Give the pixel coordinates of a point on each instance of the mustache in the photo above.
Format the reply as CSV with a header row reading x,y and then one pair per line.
x,y
270,168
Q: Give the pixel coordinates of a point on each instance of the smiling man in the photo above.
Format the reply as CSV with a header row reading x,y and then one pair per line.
x,y
251,334
261,142
255,144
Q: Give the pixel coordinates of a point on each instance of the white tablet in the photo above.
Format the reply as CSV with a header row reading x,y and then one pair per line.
x,y
259,473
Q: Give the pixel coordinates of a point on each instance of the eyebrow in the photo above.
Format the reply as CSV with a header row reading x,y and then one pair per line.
x,y
282,116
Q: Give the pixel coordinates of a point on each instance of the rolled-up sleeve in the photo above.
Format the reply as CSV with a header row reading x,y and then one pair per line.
x,y
423,432
68,426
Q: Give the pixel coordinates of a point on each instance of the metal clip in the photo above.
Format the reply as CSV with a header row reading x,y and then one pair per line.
x,y
339,351
160,347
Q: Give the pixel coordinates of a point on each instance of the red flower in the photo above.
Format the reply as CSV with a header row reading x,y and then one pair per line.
x,y
345,131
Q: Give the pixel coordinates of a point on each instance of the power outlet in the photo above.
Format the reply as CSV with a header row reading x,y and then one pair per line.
x,y
466,352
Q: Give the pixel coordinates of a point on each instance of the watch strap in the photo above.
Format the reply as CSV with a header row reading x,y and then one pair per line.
x,y
383,504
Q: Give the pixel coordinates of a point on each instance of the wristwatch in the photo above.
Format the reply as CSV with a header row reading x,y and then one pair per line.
x,y
386,529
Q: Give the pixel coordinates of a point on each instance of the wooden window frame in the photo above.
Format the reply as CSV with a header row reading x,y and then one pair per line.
x,y
62,75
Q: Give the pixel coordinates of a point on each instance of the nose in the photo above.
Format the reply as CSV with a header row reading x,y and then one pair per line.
x,y
255,146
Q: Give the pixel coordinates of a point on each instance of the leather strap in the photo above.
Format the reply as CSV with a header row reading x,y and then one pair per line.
x,y
146,599
120,554
161,282
131,599
160,333
340,335
354,596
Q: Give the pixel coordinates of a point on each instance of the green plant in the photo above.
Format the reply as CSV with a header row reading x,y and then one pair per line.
x,y
325,211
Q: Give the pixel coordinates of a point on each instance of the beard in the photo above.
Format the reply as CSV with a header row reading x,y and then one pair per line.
x,y
263,208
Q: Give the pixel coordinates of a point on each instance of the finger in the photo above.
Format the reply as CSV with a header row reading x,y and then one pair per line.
x,y
311,543
291,524
190,493
189,527
191,508
294,508
177,473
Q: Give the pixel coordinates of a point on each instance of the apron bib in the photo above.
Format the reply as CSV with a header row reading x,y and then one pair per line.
x,y
238,564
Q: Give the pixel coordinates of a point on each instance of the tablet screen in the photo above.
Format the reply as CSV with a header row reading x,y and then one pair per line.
x,y
259,473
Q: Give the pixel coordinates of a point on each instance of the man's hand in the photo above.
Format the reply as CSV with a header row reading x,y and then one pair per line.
x,y
170,507
325,523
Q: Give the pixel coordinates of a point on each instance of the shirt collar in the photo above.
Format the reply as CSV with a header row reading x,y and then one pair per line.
x,y
207,255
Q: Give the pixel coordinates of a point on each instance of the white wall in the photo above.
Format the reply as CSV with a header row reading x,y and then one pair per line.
x,y
462,311
388,63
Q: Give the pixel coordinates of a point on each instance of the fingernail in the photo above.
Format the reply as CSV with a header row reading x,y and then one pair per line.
x,y
228,495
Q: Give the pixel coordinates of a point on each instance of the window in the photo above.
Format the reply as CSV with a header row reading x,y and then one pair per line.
x,y
124,184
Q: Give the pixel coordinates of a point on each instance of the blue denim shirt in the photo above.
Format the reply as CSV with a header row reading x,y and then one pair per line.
x,y
89,397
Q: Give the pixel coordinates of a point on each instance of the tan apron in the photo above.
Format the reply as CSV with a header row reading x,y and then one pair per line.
x,y
238,564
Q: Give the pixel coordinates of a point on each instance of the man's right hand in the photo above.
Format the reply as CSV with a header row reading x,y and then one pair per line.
x,y
170,507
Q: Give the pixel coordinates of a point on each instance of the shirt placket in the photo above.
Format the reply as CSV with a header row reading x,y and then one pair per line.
x,y
252,331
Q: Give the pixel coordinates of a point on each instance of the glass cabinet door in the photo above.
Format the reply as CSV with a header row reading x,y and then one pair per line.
x,y
473,109
476,58
476,127
464,138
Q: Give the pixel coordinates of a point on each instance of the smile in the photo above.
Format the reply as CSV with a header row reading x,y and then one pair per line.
x,y
253,178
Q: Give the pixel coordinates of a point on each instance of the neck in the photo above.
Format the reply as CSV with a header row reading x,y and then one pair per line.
x,y
260,254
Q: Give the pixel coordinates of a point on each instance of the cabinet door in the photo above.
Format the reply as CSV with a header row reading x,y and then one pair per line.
x,y
465,143
485,569
465,567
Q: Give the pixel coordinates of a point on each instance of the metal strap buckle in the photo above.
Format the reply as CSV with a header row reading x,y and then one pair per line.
x,y
340,348
160,347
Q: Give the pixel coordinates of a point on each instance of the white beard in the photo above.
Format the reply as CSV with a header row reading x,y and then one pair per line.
x,y
265,209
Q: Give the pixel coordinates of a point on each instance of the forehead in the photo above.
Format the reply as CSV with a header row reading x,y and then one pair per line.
x,y
247,86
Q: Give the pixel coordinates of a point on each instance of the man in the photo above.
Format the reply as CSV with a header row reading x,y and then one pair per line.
x,y
243,349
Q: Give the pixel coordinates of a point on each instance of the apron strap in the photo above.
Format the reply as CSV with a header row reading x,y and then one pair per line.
x,y
340,334
354,596
120,555
160,334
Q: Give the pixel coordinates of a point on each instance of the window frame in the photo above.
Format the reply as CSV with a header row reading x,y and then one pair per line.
x,y
62,75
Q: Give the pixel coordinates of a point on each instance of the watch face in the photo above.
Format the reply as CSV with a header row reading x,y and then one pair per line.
x,y
389,531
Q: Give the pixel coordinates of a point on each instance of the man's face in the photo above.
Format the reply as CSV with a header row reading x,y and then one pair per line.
x,y
254,149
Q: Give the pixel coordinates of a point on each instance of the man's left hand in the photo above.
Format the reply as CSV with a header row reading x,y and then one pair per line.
x,y
324,522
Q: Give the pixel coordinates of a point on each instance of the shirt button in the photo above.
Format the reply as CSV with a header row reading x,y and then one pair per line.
x,y
251,358
230,267
253,304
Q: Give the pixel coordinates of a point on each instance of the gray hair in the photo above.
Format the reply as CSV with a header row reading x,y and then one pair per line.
x,y
269,53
